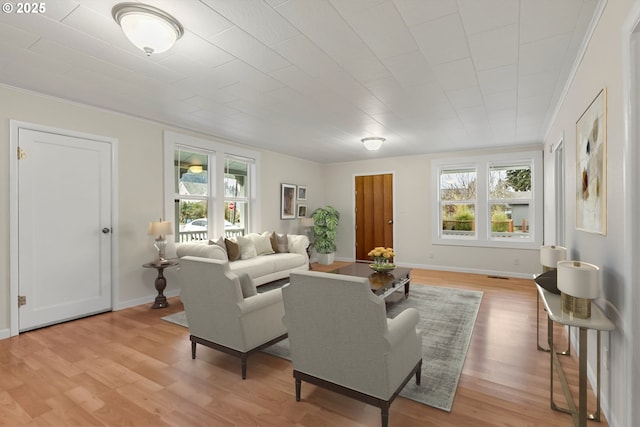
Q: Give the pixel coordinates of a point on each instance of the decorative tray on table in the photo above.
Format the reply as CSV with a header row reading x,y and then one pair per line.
x,y
382,267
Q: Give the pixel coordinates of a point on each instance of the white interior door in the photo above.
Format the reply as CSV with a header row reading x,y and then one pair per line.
x,y
64,228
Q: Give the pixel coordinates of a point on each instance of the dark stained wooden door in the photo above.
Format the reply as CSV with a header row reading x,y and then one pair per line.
x,y
374,213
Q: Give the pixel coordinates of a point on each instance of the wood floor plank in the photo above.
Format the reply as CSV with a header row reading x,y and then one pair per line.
x,y
131,368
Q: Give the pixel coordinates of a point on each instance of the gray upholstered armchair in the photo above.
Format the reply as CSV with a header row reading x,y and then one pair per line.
x,y
224,310
342,340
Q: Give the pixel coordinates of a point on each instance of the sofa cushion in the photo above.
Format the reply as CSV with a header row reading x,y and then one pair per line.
x,y
233,250
201,250
262,243
255,267
288,261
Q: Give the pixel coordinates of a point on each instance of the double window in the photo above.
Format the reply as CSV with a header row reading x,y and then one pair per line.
x,y
212,188
489,201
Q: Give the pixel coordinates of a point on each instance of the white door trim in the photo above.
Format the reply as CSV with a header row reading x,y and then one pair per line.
x,y
14,127
631,177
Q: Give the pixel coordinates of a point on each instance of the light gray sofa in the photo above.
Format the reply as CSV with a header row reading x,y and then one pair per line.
x,y
260,261
341,339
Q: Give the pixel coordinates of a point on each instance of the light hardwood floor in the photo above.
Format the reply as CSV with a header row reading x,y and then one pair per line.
x,y
129,368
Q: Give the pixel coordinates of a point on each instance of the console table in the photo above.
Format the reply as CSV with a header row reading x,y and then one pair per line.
x,y
598,322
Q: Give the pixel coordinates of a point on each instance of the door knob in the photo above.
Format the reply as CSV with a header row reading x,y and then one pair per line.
x,y
390,221
106,230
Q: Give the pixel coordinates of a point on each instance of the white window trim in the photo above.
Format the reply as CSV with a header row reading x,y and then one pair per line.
x,y
221,150
482,237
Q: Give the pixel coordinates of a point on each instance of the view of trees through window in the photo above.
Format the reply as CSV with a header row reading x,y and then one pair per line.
x,y
458,188
509,201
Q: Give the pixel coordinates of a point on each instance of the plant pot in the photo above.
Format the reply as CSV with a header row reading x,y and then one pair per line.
x,y
326,259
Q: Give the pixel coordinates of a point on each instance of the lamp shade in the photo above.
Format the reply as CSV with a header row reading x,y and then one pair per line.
x,y
579,279
551,255
160,228
307,222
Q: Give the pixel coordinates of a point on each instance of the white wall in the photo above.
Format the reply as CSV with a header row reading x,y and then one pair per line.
x,y
281,169
413,210
140,177
602,67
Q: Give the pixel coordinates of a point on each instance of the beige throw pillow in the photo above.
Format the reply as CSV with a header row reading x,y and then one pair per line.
x,y
283,243
233,250
220,242
247,247
262,243
274,242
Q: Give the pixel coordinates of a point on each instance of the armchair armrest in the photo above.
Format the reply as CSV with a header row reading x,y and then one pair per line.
x,y
260,301
403,324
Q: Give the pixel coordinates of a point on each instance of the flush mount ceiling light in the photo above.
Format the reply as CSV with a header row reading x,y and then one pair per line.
x,y
147,27
195,169
373,143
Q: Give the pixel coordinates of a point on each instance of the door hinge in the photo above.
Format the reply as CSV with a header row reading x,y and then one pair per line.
x,y
22,300
21,154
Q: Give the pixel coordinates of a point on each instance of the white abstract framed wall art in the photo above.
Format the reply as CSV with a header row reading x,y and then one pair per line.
x,y
591,167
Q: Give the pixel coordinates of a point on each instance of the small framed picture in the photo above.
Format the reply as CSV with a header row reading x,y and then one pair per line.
x,y
287,201
302,210
302,192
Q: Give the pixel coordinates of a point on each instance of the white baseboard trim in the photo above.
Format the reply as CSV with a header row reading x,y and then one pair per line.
x,y
496,273
121,305
6,333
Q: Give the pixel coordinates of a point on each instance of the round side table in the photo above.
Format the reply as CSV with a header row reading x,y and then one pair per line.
x,y
161,282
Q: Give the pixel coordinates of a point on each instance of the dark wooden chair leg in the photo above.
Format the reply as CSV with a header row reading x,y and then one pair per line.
x,y
298,389
193,349
243,361
384,413
419,373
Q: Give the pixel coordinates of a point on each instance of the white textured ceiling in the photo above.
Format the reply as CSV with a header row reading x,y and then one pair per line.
x,y
311,78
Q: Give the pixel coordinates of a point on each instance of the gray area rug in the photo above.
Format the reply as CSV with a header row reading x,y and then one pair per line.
x,y
447,318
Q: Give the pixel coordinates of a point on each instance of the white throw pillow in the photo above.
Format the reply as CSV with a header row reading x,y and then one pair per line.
x,y
247,247
262,243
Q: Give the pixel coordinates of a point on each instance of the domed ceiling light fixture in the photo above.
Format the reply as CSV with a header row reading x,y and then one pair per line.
x,y
147,27
373,143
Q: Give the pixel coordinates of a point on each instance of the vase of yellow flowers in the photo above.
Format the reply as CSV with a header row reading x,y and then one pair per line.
x,y
382,258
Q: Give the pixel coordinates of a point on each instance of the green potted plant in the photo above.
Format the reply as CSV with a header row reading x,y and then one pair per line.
x,y
325,225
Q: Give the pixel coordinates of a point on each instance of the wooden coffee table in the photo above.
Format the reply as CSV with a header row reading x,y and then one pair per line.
x,y
382,284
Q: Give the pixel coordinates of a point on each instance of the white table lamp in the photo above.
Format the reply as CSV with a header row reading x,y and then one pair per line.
x,y
551,255
161,229
579,283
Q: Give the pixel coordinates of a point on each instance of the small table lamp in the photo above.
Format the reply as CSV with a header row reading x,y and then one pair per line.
x,y
551,255
161,229
579,283
306,222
